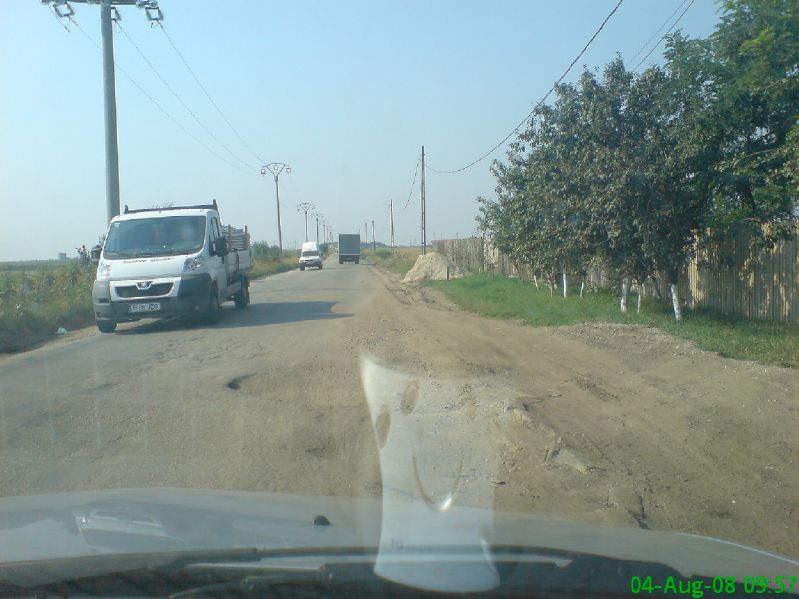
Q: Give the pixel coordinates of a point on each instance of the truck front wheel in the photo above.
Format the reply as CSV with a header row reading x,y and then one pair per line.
x,y
106,326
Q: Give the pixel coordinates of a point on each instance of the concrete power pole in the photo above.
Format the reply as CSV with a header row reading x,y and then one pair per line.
x,y
374,241
108,14
391,220
276,168
305,207
424,217
110,112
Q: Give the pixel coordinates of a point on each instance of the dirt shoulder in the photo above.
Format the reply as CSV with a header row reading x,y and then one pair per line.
x,y
606,423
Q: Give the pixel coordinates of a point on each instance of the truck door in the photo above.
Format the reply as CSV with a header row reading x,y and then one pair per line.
x,y
217,268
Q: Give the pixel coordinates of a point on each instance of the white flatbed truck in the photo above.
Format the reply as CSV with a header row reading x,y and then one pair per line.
x,y
165,262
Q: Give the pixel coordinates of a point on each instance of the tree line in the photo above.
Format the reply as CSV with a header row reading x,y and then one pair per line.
x,y
628,171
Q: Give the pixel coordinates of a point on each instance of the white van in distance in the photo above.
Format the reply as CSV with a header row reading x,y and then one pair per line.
x,y
310,255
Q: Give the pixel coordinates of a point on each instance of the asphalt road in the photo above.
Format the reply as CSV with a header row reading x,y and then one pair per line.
x,y
165,403
347,382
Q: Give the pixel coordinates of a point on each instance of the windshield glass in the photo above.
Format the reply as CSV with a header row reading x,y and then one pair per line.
x,y
418,277
170,236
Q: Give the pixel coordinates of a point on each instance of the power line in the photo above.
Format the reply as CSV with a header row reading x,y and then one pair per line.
x,y
410,193
673,25
179,99
641,49
540,102
158,106
207,95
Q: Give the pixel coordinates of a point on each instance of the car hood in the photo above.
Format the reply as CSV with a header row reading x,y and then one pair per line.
x,y
157,520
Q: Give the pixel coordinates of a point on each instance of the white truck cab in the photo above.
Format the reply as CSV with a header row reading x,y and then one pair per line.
x,y
163,262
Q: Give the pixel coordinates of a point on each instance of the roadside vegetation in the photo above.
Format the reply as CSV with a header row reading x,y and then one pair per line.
x,y
400,262
626,171
729,336
267,260
37,300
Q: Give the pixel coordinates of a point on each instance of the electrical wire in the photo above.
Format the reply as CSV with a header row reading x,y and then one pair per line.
x,y
158,106
208,95
649,41
410,193
179,99
673,25
538,104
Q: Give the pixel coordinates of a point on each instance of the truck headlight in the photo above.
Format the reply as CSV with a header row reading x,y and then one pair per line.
x,y
193,263
103,270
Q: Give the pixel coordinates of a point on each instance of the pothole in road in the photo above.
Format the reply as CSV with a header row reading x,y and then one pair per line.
x,y
235,383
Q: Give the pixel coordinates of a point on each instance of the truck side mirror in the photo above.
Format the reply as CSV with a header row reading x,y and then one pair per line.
x,y
219,247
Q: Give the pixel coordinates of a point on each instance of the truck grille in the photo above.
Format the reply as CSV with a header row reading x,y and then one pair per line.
x,y
131,291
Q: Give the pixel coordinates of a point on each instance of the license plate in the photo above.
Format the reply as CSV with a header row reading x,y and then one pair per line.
x,y
151,307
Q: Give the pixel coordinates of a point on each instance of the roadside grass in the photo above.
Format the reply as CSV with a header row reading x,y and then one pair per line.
x,y
729,336
399,263
263,268
35,303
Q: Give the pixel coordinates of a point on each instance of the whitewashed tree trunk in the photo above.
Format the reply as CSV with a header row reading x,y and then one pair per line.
x,y
565,285
640,295
625,292
582,288
535,280
675,301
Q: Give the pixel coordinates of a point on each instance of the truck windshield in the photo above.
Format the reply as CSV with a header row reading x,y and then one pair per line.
x,y
310,254
161,236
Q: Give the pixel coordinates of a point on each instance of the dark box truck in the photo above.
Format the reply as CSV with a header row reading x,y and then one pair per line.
x,y
349,248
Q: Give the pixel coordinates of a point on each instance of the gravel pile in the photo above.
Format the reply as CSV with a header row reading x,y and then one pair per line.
x,y
433,266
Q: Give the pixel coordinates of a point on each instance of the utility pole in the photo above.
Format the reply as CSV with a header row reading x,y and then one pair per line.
x,y
276,168
316,216
391,220
366,232
305,207
374,241
424,217
108,13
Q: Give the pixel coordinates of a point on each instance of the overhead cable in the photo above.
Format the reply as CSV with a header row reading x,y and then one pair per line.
x,y
158,106
538,104
410,193
673,25
649,41
208,95
179,99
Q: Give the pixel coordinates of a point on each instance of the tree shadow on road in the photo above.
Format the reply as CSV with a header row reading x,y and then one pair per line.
x,y
280,313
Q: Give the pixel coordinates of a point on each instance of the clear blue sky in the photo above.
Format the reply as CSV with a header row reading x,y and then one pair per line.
x,y
345,92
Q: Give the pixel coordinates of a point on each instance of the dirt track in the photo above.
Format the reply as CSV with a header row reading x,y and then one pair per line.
x,y
602,423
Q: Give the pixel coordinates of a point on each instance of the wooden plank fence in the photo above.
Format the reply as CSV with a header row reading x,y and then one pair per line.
x,y
728,276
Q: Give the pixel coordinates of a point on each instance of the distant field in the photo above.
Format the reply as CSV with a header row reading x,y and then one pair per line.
x,y
34,265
